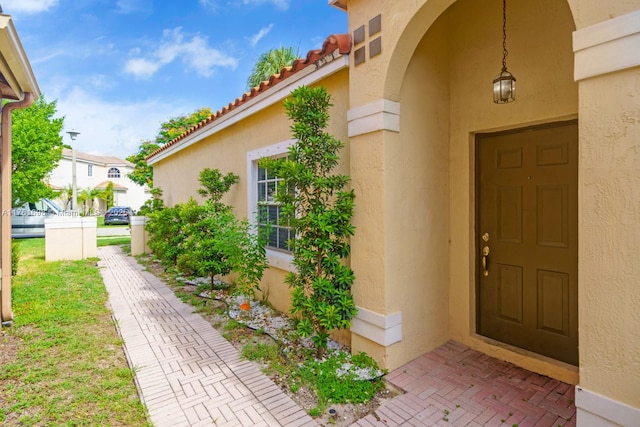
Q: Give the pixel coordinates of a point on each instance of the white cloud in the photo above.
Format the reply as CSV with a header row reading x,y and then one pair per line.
x,y
28,6
50,56
193,52
113,128
254,39
209,4
141,67
280,4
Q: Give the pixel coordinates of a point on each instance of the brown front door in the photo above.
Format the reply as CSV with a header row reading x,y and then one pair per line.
x,y
527,238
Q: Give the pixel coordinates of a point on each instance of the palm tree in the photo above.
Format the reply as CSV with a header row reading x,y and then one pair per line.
x,y
86,198
65,195
270,63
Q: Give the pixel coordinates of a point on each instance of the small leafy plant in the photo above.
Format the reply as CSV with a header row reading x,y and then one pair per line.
x,y
341,378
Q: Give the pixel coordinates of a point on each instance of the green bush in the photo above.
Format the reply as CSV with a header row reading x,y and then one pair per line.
x,y
166,234
338,378
207,248
153,204
207,240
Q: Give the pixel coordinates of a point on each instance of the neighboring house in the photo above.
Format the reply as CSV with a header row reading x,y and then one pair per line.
x,y
17,83
512,228
96,172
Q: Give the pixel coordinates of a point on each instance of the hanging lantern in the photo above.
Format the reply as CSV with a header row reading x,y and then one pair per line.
x,y
504,85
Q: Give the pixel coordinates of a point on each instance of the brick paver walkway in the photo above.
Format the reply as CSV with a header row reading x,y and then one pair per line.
x,y
186,373
456,386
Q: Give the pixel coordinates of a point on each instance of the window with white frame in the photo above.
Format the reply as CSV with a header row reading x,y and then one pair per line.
x,y
113,173
269,211
89,170
263,209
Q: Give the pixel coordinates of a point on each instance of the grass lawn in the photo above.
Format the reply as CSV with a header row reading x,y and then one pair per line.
x,y
62,362
117,240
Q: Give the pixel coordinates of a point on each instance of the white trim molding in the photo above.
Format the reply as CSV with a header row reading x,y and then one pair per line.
x,y
137,221
383,114
608,46
14,65
63,222
595,410
379,328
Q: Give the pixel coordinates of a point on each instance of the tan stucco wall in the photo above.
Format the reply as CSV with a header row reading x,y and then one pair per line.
x,y
609,236
590,12
417,200
227,150
428,167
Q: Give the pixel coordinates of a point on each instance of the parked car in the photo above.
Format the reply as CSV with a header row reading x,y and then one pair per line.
x,y
27,220
118,215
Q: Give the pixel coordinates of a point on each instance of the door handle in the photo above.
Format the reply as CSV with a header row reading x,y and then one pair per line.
x,y
485,261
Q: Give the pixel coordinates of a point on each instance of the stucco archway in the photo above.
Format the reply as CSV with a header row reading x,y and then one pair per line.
x,y
440,72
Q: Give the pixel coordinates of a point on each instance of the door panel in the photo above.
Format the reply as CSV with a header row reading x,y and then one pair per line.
x,y
527,238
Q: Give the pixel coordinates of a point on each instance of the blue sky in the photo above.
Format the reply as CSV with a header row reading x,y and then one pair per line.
x,y
119,68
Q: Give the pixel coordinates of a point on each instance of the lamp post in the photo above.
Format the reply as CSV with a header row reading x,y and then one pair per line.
x,y
74,190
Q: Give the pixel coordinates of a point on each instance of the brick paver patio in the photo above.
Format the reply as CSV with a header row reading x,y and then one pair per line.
x,y
456,386
188,375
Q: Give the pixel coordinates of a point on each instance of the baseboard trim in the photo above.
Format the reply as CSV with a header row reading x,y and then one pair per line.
x,y
596,410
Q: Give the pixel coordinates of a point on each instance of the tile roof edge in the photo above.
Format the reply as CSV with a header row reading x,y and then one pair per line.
x,y
116,186
335,42
95,158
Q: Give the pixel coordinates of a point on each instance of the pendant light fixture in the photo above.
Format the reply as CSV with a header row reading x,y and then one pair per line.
x,y
504,85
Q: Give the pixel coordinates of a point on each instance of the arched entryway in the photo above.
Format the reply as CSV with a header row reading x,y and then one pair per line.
x,y
445,99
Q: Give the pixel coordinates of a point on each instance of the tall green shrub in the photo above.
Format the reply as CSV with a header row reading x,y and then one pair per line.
x,y
108,195
319,209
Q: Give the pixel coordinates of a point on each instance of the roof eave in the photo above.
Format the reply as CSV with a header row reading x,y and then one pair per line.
x,y
14,64
339,4
331,64
335,46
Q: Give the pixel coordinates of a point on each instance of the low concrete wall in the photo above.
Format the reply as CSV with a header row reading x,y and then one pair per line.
x,y
139,236
89,237
70,238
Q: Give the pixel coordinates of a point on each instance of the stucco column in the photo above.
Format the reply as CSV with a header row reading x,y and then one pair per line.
x,y
139,236
374,329
609,221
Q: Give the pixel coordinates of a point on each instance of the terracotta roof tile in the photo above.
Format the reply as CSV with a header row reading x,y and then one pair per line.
x,y
104,184
340,42
92,158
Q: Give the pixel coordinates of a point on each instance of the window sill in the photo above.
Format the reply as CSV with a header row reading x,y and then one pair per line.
x,y
281,260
